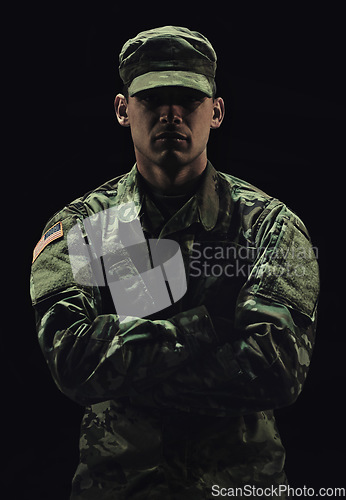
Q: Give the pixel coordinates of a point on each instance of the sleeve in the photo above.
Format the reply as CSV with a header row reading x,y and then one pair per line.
x,y
262,358
93,356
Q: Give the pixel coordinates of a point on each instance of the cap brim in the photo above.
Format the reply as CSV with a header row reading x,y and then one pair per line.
x,y
156,79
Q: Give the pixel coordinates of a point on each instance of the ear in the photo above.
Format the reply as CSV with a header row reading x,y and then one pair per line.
x,y
120,106
218,112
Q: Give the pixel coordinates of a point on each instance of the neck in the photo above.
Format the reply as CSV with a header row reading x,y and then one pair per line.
x,y
172,181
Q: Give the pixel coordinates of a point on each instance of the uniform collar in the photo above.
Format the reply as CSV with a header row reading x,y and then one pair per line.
x,y
206,198
129,192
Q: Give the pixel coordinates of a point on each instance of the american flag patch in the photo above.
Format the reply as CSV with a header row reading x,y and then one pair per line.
x,y
52,234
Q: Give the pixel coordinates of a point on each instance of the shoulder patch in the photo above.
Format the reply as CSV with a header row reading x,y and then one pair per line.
x,y
52,234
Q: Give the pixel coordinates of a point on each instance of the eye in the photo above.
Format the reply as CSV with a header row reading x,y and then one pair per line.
x,y
147,97
194,98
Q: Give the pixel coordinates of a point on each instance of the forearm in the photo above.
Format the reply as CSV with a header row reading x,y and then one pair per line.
x,y
93,357
263,366
192,361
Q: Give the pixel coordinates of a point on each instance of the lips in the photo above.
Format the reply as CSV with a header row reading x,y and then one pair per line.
x,y
174,136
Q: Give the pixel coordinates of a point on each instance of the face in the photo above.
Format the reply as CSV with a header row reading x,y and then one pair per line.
x,y
170,126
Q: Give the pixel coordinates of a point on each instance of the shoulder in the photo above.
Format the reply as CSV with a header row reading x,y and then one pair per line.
x,y
249,204
96,200
58,225
52,269
243,190
256,209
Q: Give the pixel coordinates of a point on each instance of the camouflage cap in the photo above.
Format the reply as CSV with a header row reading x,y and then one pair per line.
x,y
168,56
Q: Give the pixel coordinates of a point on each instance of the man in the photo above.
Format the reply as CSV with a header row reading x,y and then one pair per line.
x,y
179,401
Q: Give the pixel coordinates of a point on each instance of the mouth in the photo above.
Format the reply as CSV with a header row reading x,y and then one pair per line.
x,y
171,136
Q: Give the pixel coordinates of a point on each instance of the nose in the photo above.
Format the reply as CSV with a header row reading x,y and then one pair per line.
x,y
171,113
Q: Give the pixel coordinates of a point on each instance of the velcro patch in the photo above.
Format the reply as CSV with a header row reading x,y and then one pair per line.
x,y
52,234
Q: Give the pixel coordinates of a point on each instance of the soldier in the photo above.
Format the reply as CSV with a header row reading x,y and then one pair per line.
x,y
178,402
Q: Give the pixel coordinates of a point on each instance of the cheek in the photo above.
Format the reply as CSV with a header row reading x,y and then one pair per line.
x,y
140,126
202,131
202,122
139,132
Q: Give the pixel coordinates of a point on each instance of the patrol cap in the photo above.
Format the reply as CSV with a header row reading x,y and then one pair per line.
x,y
168,56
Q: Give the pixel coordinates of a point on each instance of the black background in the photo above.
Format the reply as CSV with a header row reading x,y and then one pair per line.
x,y
280,71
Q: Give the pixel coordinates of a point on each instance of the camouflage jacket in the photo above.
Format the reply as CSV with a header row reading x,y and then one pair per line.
x,y
183,399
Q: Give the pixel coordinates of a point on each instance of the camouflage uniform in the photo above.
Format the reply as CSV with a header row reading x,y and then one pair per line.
x,y
183,400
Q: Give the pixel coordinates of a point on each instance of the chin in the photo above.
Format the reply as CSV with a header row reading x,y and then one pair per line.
x,y
173,160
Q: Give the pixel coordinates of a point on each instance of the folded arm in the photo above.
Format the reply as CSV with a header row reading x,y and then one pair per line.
x,y
196,360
